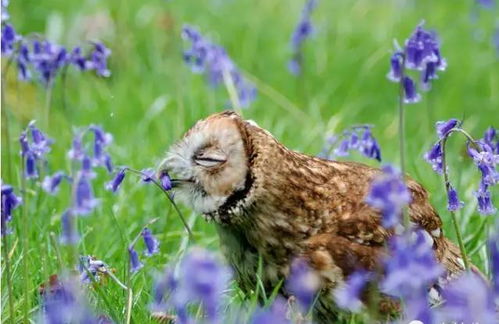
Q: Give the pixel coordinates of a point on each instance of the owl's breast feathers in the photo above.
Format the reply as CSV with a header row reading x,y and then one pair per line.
x,y
297,205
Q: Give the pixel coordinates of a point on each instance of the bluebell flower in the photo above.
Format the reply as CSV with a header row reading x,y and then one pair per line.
x,y
151,243
90,266
48,59
9,39
468,299
486,161
434,157
98,60
483,196
165,181
87,167
23,59
148,175
453,202
212,60
302,31
348,295
76,152
164,284
84,200
9,202
69,232
491,138
303,283
76,58
135,264
410,93
417,308
421,48
444,127
389,194
395,67
34,150
493,244
30,171
359,138
114,184
487,4
51,183
101,141
406,273
63,302
276,314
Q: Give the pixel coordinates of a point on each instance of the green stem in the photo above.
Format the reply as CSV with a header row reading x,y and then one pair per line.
x,y
25,240
401,126
5,123
48,102
5,243
231,89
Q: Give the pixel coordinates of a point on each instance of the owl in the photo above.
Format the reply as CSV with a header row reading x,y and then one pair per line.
x,y
270,204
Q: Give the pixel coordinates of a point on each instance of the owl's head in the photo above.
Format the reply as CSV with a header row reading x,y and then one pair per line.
x,y
209,165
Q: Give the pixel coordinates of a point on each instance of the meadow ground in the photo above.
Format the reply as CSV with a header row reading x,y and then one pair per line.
x,y
152,98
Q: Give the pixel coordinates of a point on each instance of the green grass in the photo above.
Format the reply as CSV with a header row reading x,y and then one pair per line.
x,y
152,98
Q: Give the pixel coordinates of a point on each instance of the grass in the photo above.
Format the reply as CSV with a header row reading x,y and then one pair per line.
x,y
152,98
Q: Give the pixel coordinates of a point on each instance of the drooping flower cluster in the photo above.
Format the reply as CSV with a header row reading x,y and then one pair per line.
x,y
34,146
485,155
302,31
303,284
9,202
205,57
389,194
152,247
359,138
421,53
203,281
347,296
47,59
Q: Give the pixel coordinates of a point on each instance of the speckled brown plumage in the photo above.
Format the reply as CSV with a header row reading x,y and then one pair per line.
x,y
280,204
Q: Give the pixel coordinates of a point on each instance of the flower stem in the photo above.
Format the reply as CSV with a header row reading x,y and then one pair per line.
x,y
5,243
5,122
231,89
25,242
48,103
401,126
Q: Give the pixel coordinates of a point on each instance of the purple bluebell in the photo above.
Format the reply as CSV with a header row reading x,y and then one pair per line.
x,y
98,60
90,267
64,302
487,4
429,73
114,184
453,202
444,127
23,59
48,59
491,138
40,144
51,183
135,264
31,170
410,93
434,157
303,283
34,150
151,243
9,202
275,314
302,31
348,296
148,175
406,273
69,232
212,60
164,284
417,308
9,39
423,47
76,152
468,299
486,161
359,138
76,58
87,167
493,244
101,141
84,200
395,67
389,194
483,196
165,181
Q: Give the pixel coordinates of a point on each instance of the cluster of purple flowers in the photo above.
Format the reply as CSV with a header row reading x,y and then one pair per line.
x,y
33,150
152,247
359,138
9,202
303,284
46,58
302,31
421,53
485,155
205,57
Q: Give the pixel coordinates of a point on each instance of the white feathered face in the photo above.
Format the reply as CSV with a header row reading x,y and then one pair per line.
x,y
208,164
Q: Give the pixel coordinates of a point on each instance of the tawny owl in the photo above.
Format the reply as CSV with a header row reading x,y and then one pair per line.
x,y
271,202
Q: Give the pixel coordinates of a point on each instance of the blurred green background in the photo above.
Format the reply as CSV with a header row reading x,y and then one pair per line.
x,y
152,97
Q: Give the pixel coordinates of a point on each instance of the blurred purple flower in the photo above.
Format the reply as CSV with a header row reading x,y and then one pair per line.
x,y
135,264
9,38
9,202
303,283
148,175
434,157
101,141
69,233
84,200
31,171
357,138
151,243
406,273
417,308
212,60
275,314
348,296
114,184
63,302
468,299
76,152
302,31
486,161
453,202
389,194
23,59
90,266
48,59
87,167
164,284
410,93
487,4
34,150
395,66
51,183
485,206
165,181
493,244
422,48
491,138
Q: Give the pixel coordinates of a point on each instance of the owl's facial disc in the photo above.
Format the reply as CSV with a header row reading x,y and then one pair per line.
x,y
208,165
